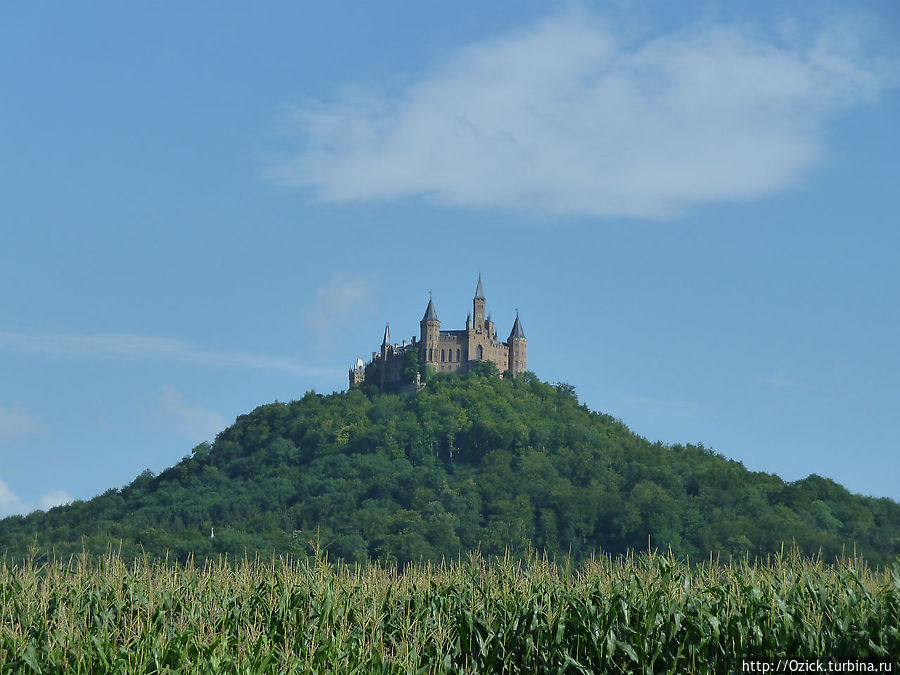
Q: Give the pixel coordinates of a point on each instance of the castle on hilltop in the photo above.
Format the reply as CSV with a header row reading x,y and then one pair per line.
x,y
446,351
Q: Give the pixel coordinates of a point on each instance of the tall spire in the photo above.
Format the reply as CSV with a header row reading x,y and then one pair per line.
x,y
517,331
479,292
430,314
387,336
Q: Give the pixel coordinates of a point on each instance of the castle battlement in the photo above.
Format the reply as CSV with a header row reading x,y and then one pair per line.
x,y
446,351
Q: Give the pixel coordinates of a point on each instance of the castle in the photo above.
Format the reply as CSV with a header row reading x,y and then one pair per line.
x,y
446,351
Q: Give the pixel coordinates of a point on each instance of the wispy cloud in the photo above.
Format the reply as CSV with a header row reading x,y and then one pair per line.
x,y
781,381
670,406
566,117
17,422
335,305
12,504
145,347
188,419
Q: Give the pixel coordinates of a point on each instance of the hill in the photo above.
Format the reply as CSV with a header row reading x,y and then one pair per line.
x,y
472,462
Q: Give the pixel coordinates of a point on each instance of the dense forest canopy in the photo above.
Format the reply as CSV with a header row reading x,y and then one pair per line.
x,y
471,462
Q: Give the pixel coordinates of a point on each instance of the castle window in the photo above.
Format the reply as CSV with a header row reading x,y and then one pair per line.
x,y
442,356
450,355
479,353
430,354
457,356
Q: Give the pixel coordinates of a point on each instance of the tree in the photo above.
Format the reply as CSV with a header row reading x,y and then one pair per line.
x,y
410,365
468,461
485,369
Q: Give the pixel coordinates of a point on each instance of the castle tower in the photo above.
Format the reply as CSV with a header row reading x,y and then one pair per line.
x,y
430,334
357,373
386,342
517,347
444,351
478,308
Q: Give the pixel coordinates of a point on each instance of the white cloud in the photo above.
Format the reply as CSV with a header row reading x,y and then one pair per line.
x,y
12,504
144,347
17,422
335,305
9,501
190,420
54,498
565,117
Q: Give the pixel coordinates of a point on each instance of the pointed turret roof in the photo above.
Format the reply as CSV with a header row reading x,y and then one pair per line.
x,y
387,336
430,314
479,292
517,331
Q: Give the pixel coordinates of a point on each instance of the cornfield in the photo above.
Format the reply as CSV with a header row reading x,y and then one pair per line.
x,y
641,614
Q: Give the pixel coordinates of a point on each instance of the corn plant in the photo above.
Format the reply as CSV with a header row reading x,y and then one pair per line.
x,y
639,614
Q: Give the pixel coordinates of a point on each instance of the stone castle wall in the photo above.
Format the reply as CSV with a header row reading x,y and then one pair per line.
x,y
448,351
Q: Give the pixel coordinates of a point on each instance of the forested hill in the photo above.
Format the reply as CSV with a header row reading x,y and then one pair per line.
x,y
471,462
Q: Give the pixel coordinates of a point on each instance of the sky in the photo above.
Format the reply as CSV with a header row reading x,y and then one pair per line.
x,y
209,206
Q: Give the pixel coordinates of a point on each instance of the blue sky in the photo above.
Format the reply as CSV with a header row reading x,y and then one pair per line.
x,y
209,206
